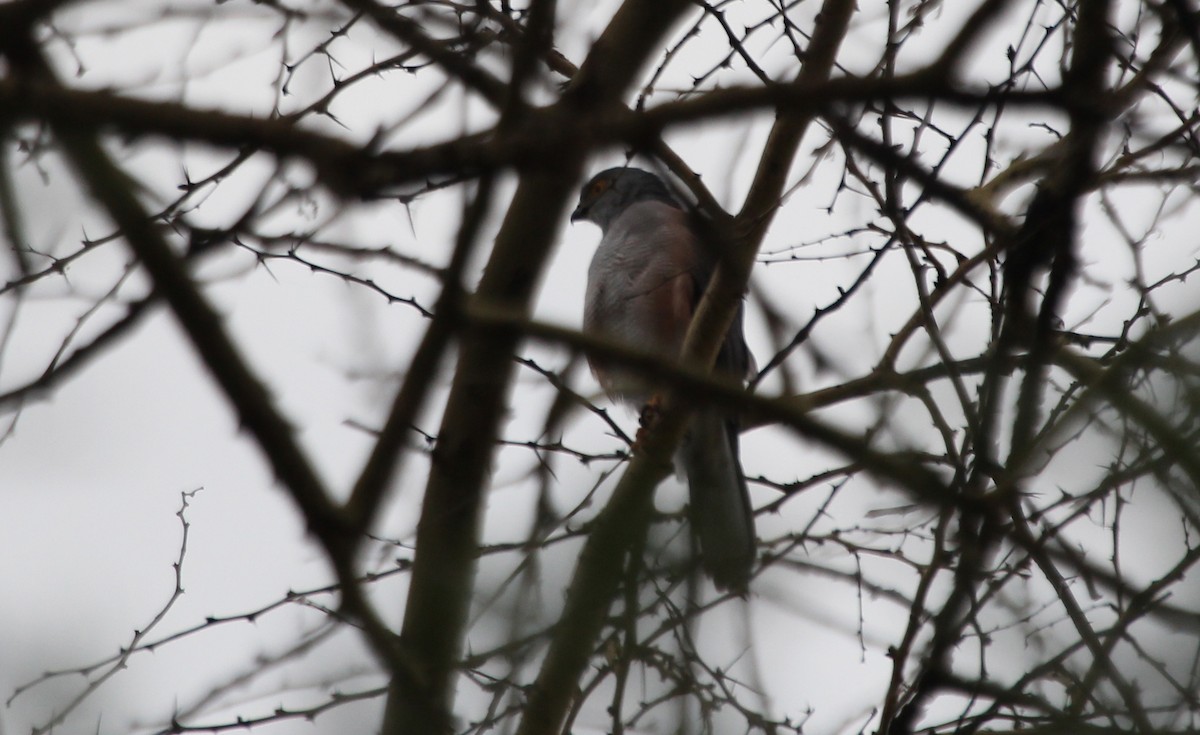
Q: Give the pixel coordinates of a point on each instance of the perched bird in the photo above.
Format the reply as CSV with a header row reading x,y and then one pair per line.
x,y
644,282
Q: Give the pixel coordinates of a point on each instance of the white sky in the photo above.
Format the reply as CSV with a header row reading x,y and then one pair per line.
x,y
92,475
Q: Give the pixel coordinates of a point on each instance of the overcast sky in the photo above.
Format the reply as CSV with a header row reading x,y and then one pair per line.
x,y
93,473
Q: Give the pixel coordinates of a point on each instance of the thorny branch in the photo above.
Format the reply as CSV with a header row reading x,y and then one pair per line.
x,y
977,399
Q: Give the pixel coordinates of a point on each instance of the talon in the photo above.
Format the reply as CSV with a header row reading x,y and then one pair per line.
x,y
646,419
649,412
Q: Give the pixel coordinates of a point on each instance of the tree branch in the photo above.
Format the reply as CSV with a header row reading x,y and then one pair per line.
x,y
439,598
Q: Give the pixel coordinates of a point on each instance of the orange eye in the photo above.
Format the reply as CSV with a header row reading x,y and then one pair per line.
x,y
597,188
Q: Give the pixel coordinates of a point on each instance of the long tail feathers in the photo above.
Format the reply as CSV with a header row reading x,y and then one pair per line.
x,y
720,503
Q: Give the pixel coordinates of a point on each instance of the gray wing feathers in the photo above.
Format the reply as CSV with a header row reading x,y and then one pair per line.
x,y
643,284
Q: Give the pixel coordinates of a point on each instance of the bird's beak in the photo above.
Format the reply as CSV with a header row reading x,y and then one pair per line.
x,y
579,213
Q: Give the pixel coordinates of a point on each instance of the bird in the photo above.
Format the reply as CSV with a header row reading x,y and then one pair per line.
x,y
643,284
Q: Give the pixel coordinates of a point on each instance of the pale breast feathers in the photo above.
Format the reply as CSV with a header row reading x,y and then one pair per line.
x,y
641,283
642,287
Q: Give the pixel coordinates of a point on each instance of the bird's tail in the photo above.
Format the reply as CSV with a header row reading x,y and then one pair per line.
x,y
720,504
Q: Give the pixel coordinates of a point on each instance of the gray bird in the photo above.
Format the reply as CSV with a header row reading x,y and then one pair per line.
x,y
644,282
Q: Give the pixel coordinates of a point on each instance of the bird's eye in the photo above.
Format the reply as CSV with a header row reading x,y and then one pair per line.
x,y
597,188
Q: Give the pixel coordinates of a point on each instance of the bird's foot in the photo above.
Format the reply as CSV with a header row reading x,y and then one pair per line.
x,y
648,417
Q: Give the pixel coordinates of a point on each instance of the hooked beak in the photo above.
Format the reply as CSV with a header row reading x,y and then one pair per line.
x,y
579,213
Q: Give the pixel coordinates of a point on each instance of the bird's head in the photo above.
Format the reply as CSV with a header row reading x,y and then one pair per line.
x,y
608,193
